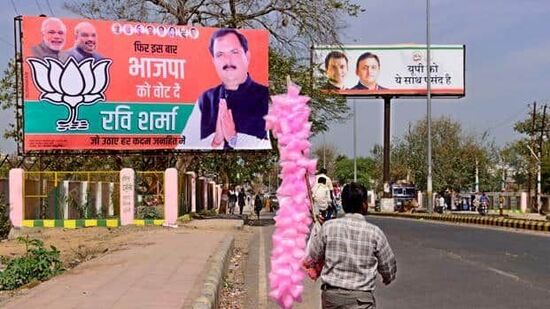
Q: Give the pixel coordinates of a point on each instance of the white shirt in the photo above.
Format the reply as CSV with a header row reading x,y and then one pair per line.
x,y
321,196
192,134
329,182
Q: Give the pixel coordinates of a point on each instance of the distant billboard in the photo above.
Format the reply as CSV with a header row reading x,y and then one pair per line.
x,y
371,70
126,86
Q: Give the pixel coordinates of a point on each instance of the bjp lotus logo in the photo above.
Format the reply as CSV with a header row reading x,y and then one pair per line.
x,y
71,84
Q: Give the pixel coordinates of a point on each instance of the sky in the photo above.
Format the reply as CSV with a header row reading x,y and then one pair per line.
x,y
507,63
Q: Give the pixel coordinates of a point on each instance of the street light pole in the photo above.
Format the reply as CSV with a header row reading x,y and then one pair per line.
x,y
429,108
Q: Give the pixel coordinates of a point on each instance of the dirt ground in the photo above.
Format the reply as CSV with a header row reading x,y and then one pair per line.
x,y
234,291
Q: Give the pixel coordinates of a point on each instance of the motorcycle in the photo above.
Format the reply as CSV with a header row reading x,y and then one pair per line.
x,y
482,209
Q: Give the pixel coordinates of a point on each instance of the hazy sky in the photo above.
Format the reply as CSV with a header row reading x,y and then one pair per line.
x,y
507,62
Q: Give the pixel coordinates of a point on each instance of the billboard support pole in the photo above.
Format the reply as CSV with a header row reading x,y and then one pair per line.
x,y
354,142
429,109
387,125
18,58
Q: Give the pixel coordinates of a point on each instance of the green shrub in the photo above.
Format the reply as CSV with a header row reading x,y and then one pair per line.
x,y
148,212
5,224
38,263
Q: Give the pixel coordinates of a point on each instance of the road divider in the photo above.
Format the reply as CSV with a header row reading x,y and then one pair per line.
x,y
532,225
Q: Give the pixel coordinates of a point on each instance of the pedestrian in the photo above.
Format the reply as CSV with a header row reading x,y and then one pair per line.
x,y
321,198
323,173
353,251
232,201
258,205
241,201
501,201
442,202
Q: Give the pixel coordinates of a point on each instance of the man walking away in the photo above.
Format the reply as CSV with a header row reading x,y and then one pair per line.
x,y
241,201
321,197
354,251
258,205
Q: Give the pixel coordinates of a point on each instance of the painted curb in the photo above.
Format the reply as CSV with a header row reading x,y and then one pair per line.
x,y
213,283
532,225
81,223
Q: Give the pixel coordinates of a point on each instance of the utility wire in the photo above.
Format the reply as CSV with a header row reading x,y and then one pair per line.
x,y
14,7
508,119
50,7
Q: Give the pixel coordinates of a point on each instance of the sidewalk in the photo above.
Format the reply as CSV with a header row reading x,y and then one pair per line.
x,y
163,269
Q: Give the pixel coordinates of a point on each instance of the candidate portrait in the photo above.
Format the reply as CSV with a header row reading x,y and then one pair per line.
x,y
368,70
336,68
231,114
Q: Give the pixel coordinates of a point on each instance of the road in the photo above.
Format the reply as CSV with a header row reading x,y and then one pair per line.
x,y
439,266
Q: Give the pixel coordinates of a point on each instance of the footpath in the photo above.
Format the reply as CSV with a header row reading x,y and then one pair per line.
x,y
181,268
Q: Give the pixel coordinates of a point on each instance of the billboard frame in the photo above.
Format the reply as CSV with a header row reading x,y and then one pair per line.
x,y
381,95
19,98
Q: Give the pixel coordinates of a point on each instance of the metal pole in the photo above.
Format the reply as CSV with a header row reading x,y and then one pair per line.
x,y
542,130
538,198
324,152
387,119
477,177
429,108
354,142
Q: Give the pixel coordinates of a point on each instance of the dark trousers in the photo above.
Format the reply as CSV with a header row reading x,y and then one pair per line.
x,y
347,299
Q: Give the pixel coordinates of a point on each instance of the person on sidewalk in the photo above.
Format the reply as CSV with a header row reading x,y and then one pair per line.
x,y
258,205
241,201
232,201
354,251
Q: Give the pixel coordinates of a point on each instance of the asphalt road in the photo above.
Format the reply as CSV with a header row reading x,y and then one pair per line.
x,y
439,266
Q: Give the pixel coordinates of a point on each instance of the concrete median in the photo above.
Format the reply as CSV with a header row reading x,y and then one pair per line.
x,y
532,225
213,283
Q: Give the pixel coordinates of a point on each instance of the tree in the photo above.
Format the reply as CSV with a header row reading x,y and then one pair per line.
x,y
8,99
454,157
294,26
365,170
515,158
292,23
329,153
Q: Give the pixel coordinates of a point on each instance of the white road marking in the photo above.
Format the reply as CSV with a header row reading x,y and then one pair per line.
x,y
503,273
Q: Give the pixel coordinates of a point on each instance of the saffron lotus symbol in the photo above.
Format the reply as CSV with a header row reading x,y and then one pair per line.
x,y
72,84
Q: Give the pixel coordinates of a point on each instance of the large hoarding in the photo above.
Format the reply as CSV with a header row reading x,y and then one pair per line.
x,y
371,70
124,86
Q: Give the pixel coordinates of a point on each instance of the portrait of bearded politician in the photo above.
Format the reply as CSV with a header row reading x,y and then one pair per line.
x,y
231,114
54,34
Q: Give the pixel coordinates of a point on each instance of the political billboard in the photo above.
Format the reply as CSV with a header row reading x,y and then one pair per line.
x,y
94,85
400,70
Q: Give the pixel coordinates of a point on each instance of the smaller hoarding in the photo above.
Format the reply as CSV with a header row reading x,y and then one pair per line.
x,y
371,70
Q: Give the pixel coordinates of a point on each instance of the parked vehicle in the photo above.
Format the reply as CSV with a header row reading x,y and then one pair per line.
x,y
403,194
